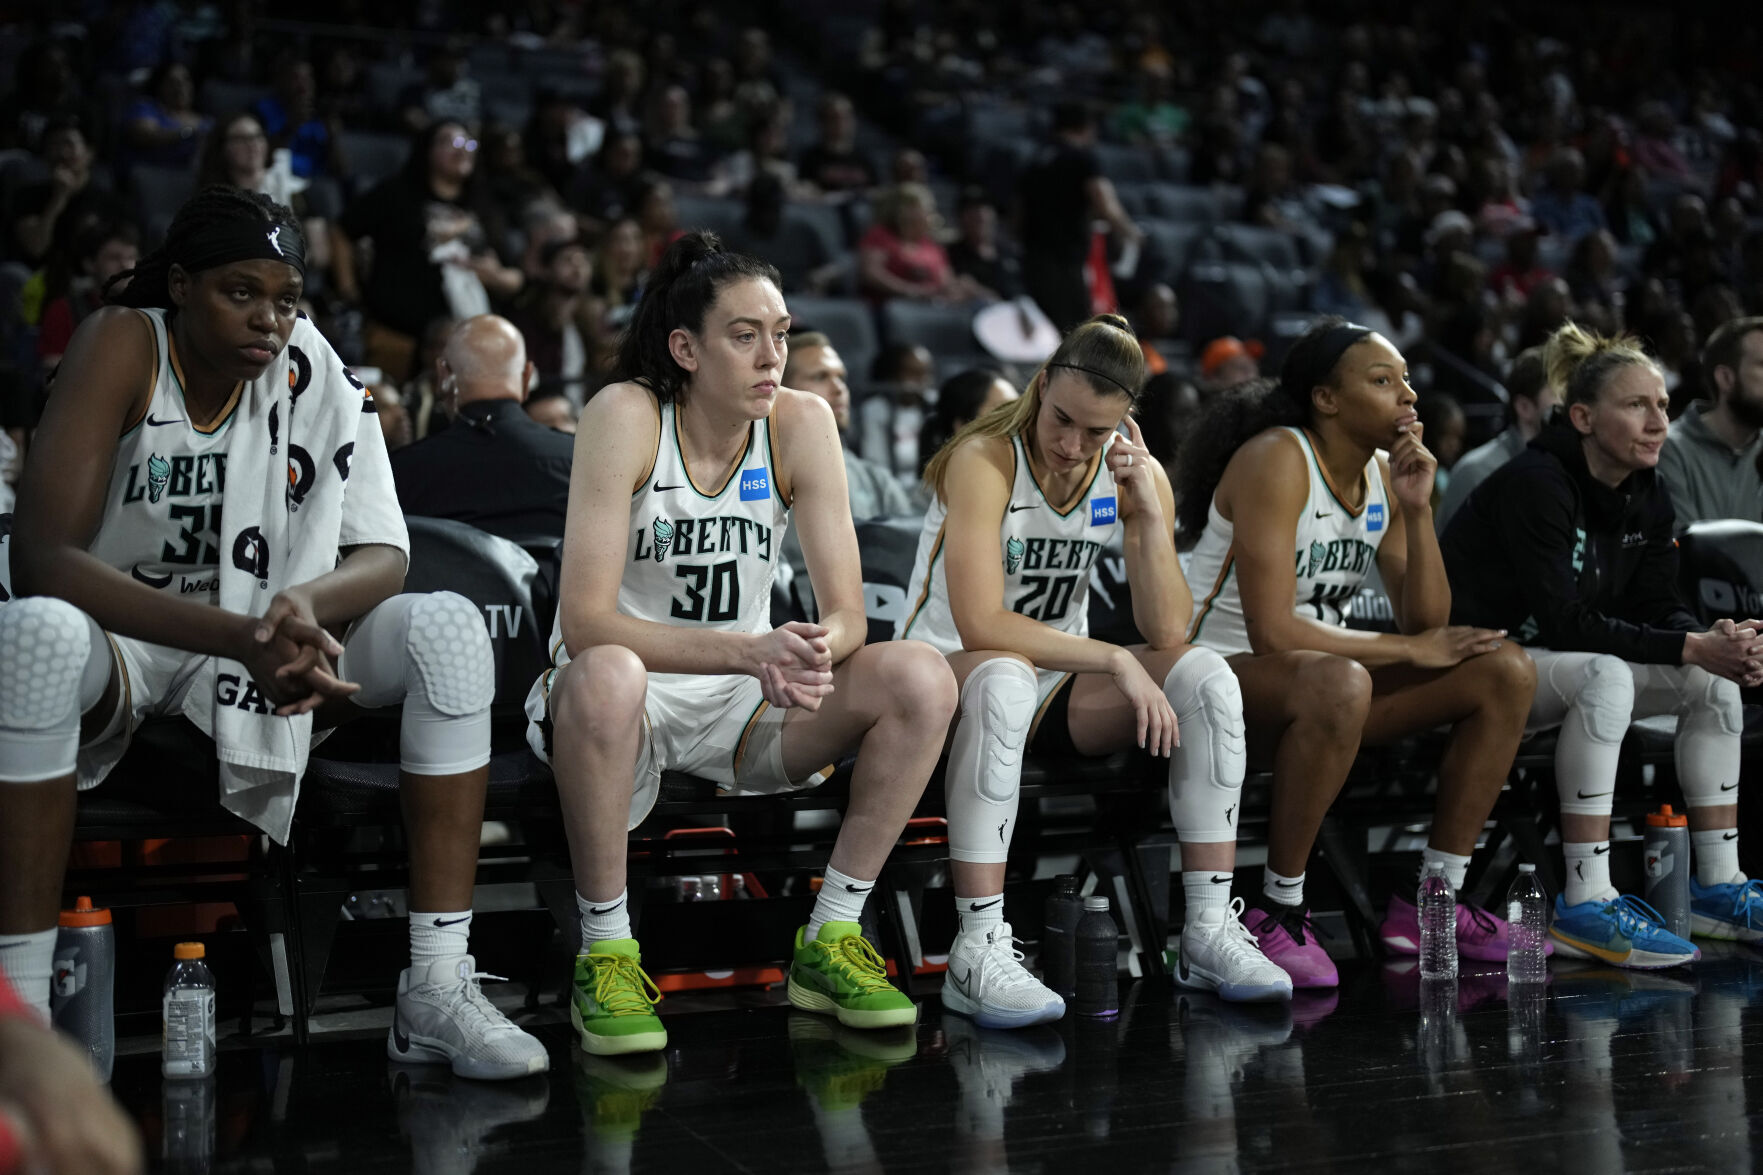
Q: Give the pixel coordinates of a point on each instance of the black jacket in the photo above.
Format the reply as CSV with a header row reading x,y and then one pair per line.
x,y
494,467
1564,562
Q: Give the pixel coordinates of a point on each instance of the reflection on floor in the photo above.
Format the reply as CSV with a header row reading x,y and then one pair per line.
x,y
1601,1071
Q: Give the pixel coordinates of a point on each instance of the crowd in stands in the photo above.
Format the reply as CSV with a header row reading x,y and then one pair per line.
x,y
1462,180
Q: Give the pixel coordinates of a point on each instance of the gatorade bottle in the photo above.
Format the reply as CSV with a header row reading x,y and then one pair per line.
x,y
188,1034
1666,850
82,995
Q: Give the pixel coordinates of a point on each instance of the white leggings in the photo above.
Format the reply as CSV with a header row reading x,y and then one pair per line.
x,y
1593,697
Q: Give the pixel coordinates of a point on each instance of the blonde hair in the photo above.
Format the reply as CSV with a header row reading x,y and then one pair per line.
x,y
891,203
1580,361
1104,352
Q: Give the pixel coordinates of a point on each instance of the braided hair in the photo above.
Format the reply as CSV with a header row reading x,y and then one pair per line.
x,y
148,282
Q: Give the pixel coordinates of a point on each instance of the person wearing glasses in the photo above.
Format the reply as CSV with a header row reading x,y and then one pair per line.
x,y
434,251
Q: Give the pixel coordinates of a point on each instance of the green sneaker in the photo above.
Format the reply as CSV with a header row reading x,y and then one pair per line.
x,y
839,972
613,1005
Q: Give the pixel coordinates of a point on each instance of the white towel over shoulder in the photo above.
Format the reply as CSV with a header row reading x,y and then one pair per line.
x,y
307,475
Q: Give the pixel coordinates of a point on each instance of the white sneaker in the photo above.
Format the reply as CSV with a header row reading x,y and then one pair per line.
x,y
987,981
1219,954
442,1017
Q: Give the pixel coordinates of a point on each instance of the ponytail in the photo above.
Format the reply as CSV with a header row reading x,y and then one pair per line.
x,y
1580,362
679,293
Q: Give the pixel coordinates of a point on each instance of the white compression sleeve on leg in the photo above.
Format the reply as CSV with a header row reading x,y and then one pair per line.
x,y
984,776
1710,725
1206,771
54,665
433,653
1600,693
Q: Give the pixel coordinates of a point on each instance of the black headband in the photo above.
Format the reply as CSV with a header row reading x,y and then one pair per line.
x,y
225,242
1334,343
1094,374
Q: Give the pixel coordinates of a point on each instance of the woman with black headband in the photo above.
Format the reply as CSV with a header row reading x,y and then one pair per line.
x,y
1293,499
207,506
1026,498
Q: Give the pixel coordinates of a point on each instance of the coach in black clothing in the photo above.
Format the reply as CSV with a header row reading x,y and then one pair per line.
x,y
494,468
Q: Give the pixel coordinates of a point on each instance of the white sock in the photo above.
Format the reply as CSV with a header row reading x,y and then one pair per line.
x,y
606,920
1456,868
439,936
841,900
1588,872
28,962
978,916
1206,889
1717,856
1287,891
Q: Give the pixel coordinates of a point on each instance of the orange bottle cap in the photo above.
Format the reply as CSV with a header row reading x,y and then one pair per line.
x,y
85,914
188,950
1666,818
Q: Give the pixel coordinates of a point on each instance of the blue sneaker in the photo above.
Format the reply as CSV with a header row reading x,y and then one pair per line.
x,y
1623,930
1732,911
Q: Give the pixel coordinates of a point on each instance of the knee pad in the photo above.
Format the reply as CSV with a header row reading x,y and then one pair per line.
x,y
1206,771
984,775
432,651
1709,729
49,676
1605,699
1715,696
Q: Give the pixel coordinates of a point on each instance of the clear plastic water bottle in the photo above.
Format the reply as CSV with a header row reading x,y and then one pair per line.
x,y
1438,924
82,996
1098,971
188,1028
1527,913
1059,937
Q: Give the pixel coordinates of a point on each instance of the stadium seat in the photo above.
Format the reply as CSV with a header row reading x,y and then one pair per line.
x,y
946,330
1126,165
846,321
161,191
1249,242
372,157
1183,202
1223,298
721,216
1720,569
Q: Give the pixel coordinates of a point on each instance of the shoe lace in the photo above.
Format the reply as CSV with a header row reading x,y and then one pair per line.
x,y
1748,900
1481,918
857,960
1631,913
1002,961
1295,921
465,1001
622,987
1234,941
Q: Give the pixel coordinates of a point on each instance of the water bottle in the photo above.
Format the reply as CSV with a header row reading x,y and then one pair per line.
x,y
188,1028
1098,975
1059,938
1527,913
1665,847
1438,924
188,1146
82,996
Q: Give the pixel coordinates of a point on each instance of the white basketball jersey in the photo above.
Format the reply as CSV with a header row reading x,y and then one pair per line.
x,y
1047,557
701,557
1334,550
161,518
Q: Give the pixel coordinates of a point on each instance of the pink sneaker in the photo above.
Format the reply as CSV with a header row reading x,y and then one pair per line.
x,y
1480,935
1289,940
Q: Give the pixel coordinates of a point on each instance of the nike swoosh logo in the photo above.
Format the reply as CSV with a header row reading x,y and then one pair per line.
x,y
858,888
987,906
1729,787
7,946
1579,869
1325,514
1220,878
608,909
1598,852
960,981
152,423
1014,507
399,1036
161,582
1593,795
1288,884
661,489
1730,836
453,921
